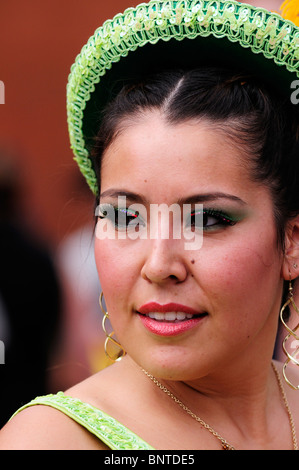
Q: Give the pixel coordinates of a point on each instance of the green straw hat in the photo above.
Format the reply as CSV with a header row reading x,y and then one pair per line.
x,y
171,34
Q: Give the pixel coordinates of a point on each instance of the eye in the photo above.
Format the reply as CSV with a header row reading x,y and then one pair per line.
x,y
208,219
126,218
122,218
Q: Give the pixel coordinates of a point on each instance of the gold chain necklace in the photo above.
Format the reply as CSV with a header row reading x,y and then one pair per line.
x,y
225,445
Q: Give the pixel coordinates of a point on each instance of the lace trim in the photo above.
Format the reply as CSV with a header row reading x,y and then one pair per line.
x,y
107,429
255,28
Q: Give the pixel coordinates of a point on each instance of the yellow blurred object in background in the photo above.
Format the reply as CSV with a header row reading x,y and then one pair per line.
x,y
290,11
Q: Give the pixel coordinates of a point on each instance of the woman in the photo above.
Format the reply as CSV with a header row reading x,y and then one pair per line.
x,y
206,127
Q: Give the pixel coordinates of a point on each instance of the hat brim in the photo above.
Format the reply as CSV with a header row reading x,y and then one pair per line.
x,y
229,33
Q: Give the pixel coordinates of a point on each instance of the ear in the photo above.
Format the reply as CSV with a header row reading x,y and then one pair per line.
x,y
290,266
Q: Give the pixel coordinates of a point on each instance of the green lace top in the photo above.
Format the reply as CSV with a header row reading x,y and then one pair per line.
x,y
112,433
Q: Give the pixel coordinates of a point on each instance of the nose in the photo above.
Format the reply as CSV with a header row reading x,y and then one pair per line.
x,y
164,262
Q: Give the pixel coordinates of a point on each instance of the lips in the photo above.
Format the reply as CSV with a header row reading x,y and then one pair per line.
x,y
169,319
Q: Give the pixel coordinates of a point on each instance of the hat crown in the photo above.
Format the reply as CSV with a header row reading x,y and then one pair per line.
x,y
189,29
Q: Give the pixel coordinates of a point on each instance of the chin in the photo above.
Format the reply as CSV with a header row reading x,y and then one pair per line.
x,y
171,366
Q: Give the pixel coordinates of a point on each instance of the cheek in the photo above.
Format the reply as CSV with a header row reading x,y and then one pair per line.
x,y
117,269
240,267
105,263
242,277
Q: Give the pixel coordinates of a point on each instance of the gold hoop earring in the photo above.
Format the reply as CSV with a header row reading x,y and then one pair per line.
x,y
120,352
291,358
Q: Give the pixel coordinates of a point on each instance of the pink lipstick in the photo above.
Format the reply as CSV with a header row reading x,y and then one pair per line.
x,y
169,319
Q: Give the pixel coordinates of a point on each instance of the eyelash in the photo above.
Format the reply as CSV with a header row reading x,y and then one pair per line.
x,y
222,219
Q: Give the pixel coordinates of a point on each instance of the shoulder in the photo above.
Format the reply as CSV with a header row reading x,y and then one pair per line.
x,y
42,427
45,427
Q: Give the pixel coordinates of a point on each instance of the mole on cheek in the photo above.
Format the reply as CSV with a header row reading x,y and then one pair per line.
x,y
192,261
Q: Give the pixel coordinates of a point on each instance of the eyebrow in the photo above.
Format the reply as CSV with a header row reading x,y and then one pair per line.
x,y
115,193
196,198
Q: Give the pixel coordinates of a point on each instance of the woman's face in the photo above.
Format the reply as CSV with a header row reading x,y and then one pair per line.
x,y
178,311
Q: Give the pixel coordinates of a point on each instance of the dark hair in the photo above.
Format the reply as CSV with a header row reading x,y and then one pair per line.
x,y
256,118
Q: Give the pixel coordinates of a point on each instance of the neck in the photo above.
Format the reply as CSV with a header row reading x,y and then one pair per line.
x,y
249,393
243,414
245,387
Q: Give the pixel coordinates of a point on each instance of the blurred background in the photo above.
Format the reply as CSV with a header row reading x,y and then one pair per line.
x,y
50,321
